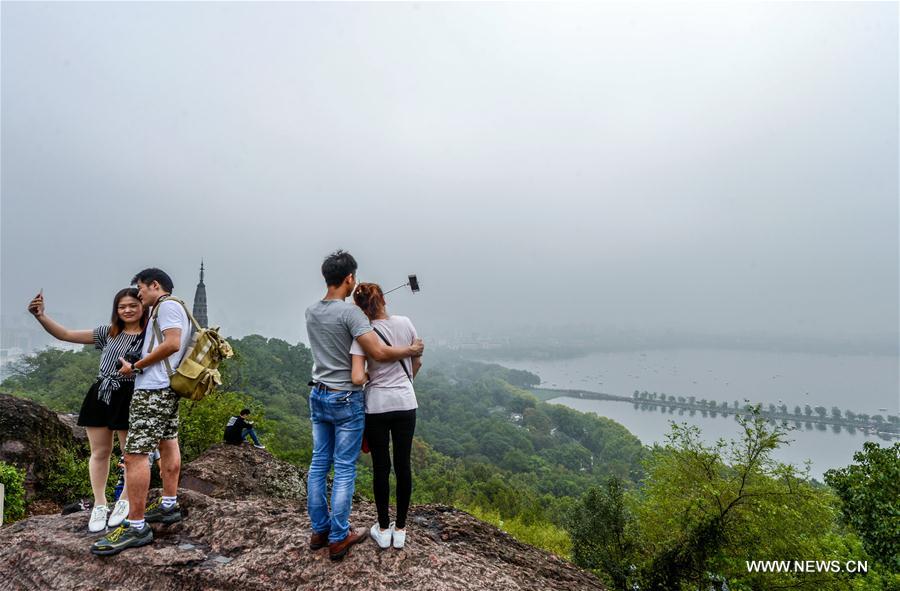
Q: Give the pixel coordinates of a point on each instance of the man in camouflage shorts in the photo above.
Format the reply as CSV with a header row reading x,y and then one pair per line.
x,y
153,418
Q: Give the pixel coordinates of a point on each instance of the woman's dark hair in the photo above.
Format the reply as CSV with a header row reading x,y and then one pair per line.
x,y
148,276
245,411
116,324
370,298
337,266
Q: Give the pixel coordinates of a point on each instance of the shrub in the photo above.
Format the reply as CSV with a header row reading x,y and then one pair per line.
x,y
543,535
71,478
13,480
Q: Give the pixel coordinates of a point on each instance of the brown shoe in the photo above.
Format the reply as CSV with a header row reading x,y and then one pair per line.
x,y
318,541
338,550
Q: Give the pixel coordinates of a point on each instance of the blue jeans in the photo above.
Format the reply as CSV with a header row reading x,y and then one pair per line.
x,y
249,431
338,420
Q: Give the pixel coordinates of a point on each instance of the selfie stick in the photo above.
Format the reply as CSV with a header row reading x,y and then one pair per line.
x,y
413,283
396,288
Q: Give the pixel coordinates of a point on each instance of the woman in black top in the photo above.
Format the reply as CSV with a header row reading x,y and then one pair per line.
x,y
105,407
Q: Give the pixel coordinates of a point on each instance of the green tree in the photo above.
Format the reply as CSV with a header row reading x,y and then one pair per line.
x,y
869,490
55,378
599,527
704,510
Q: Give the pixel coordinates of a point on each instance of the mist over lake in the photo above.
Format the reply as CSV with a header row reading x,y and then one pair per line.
x,y
858,383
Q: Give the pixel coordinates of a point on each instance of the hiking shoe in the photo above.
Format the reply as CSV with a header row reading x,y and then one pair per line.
x,y
119,513
382,538
97,522
156,513
259,446
399,536
338,550
122,537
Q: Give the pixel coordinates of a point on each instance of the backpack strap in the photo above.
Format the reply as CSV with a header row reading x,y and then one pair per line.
x,y
166,298
157,333
388,343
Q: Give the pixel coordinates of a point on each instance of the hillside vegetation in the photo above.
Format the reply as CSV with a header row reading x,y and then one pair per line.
x,y
682,515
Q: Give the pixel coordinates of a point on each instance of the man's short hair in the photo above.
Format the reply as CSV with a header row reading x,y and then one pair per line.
x,y
148,276
337,266
245,411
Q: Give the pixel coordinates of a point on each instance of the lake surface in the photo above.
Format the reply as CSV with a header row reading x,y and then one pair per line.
x,y
862,384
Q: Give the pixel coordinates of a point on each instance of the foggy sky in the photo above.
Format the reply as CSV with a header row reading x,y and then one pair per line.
x,y
690,167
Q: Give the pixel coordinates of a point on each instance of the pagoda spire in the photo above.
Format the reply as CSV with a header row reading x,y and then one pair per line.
x,y
200,300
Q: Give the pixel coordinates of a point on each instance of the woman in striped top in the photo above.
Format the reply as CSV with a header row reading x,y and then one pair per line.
x,y
105,407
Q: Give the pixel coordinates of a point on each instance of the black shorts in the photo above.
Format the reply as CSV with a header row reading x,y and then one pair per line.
x,y
96,413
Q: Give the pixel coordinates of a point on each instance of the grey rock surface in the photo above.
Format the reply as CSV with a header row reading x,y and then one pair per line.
x,y
241,471
261,543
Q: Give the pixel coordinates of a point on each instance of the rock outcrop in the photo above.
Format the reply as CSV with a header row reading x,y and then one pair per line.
x,y
70,420
261,543
30,437
242,471
246,528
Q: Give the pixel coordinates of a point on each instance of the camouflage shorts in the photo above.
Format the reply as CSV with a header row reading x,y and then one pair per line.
x,y
153,417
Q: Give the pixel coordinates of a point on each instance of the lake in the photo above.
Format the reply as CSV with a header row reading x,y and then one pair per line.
x,y
862,384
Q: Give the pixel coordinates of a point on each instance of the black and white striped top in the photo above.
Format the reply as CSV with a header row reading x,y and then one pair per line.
x,y
113,348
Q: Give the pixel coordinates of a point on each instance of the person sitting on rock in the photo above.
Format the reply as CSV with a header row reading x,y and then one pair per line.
x,y
107,403
239,428
336,404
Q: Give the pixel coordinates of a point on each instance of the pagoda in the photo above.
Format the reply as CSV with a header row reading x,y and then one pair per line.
x,y
200,301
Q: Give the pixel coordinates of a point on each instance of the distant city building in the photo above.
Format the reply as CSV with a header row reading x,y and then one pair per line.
x,y
200,301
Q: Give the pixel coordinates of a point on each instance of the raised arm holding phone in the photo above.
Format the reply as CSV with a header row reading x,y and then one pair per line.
x,y
106,405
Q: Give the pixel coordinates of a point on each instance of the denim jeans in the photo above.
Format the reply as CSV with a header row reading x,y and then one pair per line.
x,y
249,431
338,420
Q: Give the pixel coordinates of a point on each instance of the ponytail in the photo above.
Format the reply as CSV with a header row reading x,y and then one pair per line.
x,y
370,298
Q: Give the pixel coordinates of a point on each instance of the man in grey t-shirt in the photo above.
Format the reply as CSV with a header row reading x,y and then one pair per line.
x,y
336,405
331,326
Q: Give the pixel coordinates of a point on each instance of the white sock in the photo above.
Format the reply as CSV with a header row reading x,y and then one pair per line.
x,y
167,502
136,524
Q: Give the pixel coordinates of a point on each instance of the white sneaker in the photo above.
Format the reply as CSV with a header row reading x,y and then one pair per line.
x,y
399,536
382,538
119,513
259,446
98,518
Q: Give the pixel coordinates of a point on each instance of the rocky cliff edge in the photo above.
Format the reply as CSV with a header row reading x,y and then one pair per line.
x,y
246,529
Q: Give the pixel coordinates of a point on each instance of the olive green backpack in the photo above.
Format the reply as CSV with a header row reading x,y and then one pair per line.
x,y
197,375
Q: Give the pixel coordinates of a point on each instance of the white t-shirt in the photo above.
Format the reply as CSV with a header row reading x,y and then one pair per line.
x,y
171,315
389,388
